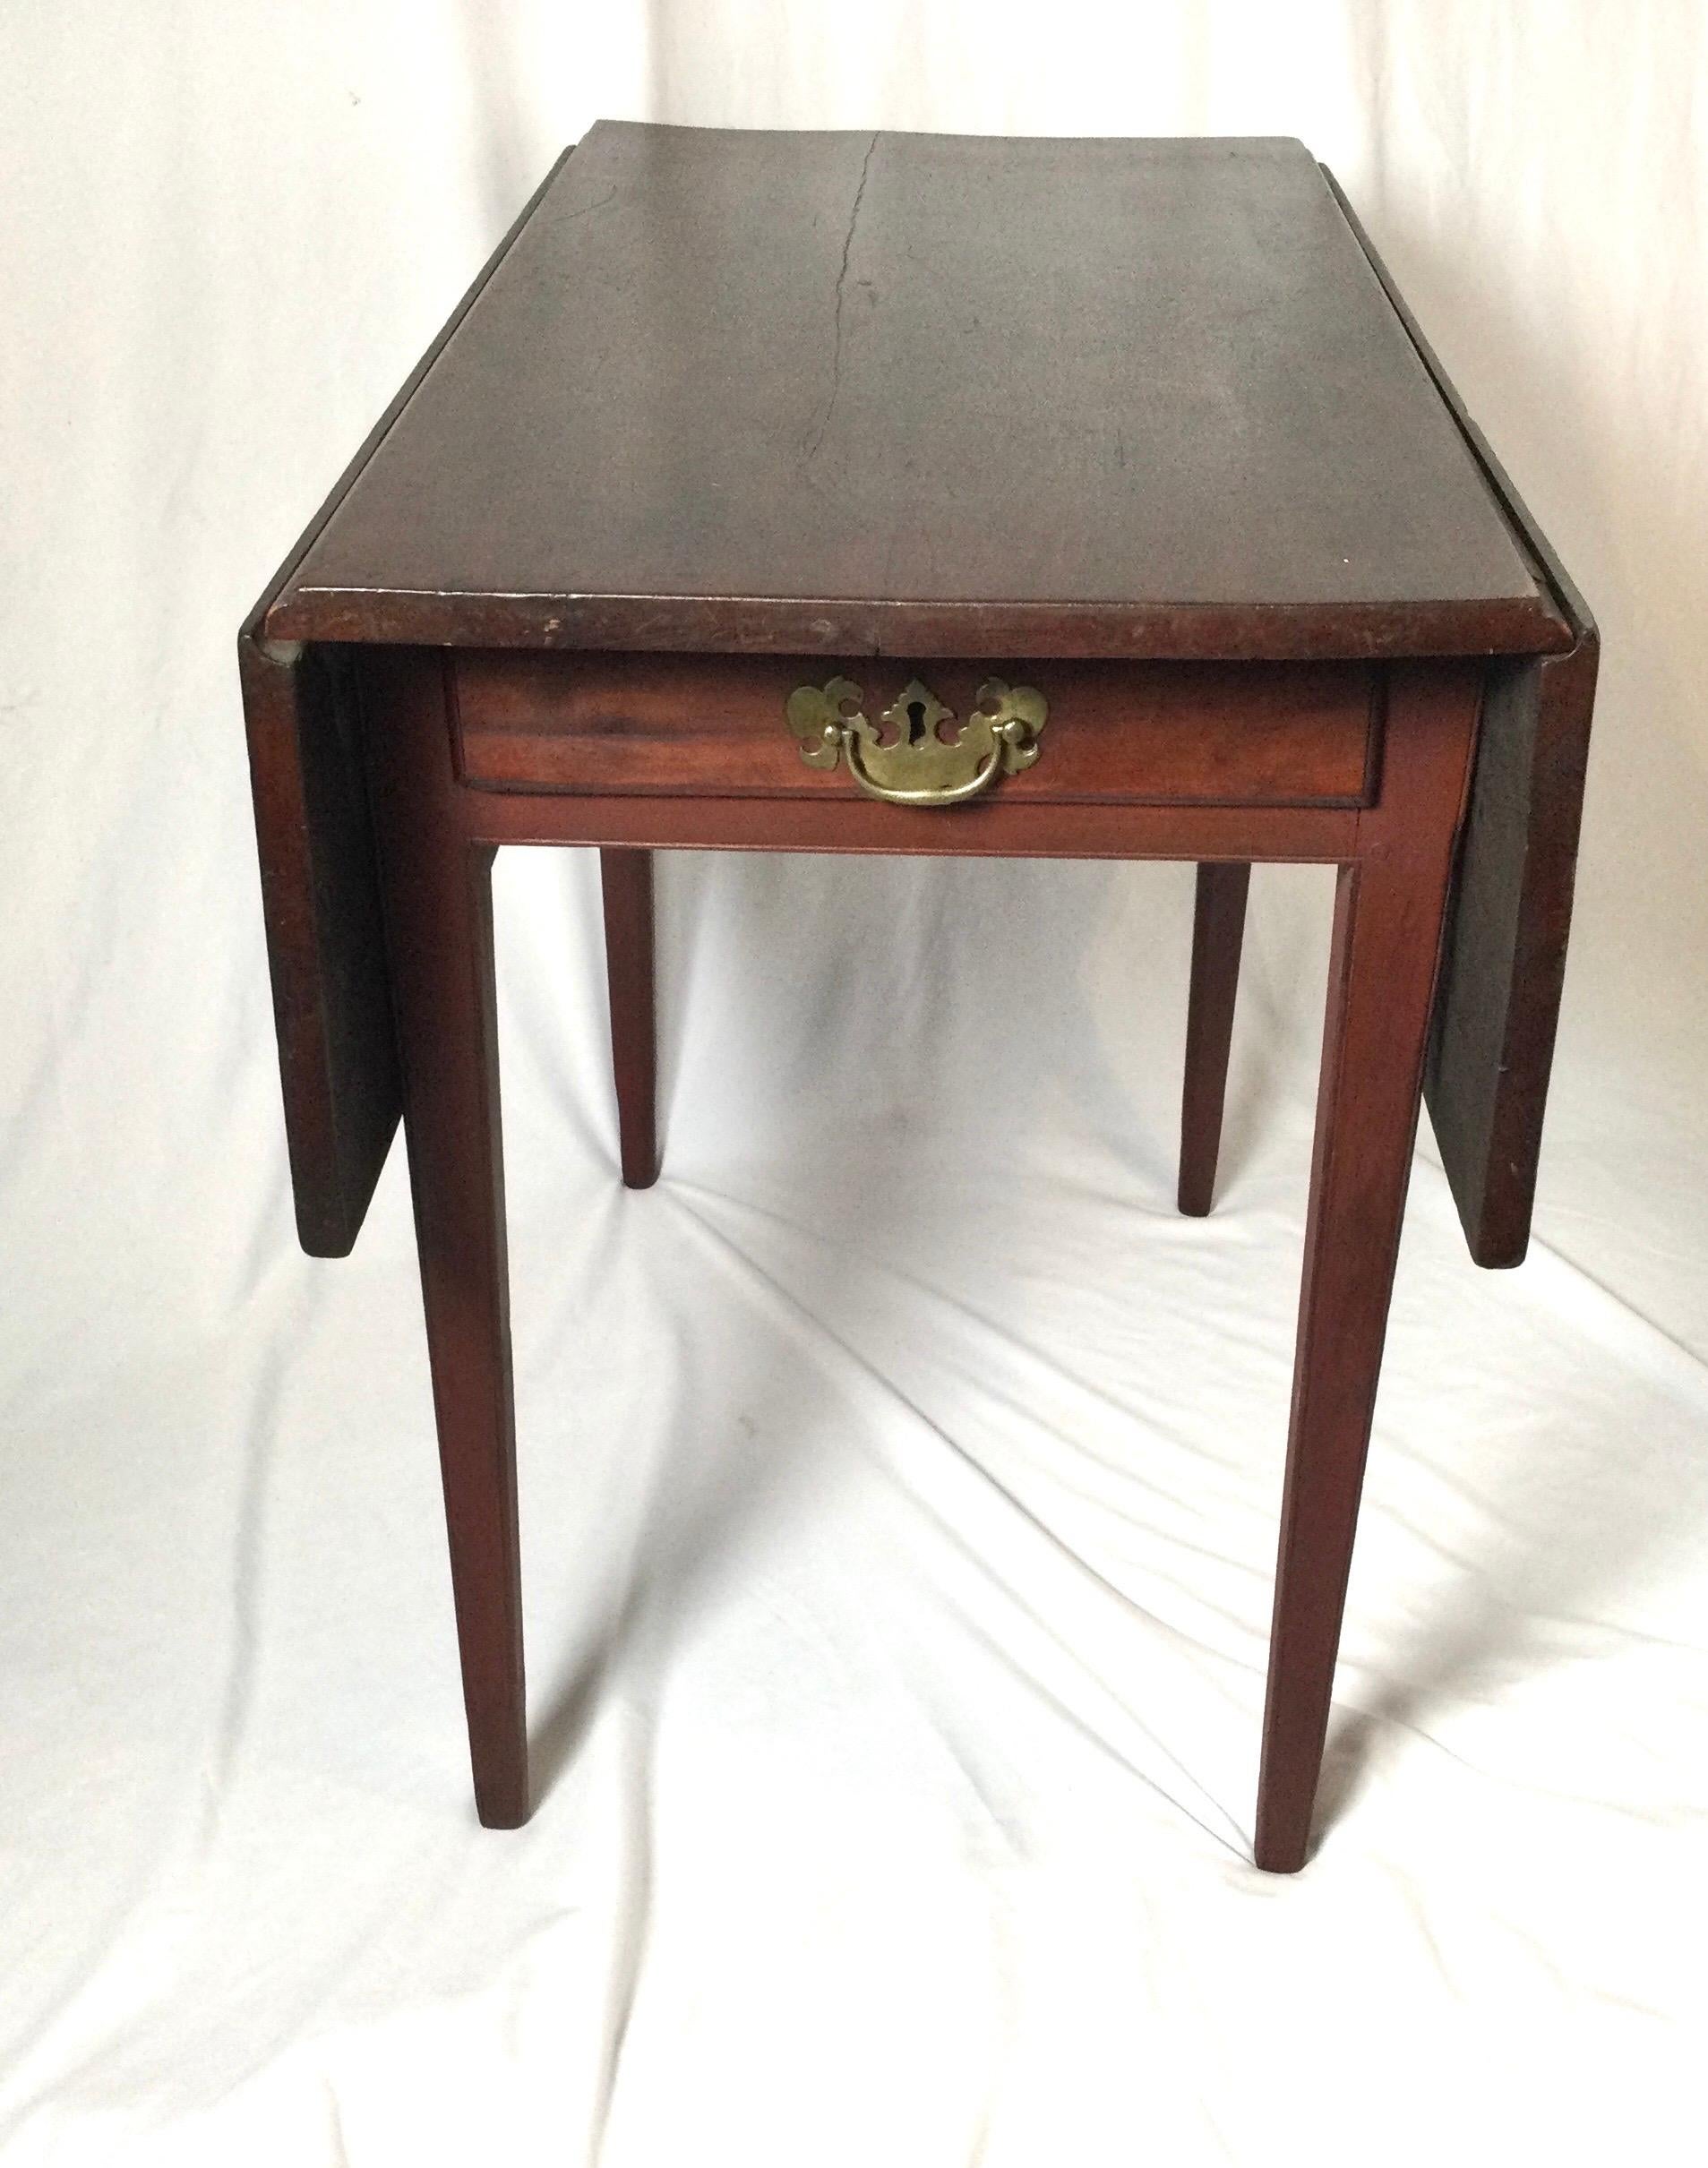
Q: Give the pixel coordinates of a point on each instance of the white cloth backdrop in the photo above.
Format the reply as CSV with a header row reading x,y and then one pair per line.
x,y
899,1477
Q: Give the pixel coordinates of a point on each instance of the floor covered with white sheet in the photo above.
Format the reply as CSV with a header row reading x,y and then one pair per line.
x,y
899,1485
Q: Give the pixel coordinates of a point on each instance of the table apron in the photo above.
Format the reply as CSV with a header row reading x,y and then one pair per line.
x,y
702,726
1320,836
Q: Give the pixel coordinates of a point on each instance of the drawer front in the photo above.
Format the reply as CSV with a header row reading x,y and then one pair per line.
x,y
1116,733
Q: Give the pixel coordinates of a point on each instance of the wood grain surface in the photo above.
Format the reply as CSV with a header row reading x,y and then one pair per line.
x,y
320,906
927,394
1206,733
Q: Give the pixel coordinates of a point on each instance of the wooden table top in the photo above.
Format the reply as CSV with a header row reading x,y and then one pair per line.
x,y
933,396
838,394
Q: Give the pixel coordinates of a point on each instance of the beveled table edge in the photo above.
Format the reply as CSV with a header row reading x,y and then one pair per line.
x,y
1112,632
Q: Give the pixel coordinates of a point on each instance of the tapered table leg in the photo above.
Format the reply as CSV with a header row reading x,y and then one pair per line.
x,y
1388,920
626,880
438,904
1218,932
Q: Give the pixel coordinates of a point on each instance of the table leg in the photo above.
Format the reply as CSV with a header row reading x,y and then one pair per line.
x,y
1389,915
626,878
437,891
1365,1118
1218,931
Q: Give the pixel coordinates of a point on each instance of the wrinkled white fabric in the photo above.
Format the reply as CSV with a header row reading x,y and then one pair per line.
x,y
899,1477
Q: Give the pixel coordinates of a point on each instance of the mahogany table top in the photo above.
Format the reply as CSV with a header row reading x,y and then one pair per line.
x,y
852,393
834,395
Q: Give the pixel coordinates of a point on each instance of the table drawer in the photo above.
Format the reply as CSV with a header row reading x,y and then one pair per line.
x,y
1144,732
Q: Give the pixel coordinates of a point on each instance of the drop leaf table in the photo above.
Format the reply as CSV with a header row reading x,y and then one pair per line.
x,y
821,491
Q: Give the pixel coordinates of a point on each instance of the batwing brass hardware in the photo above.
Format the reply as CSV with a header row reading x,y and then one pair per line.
x,y
904,759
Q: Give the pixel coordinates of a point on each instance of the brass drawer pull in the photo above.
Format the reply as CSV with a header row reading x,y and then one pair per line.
x,y
902,758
